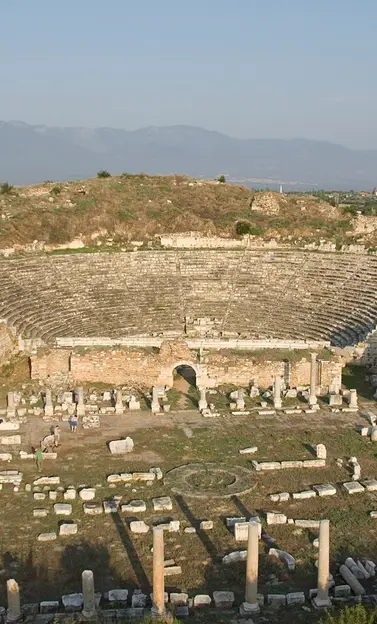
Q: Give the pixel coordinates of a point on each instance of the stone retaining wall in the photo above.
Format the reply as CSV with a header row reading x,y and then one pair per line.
x,y
141,368
7,343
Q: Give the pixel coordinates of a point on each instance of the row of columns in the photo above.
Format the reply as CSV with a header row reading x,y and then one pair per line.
x,y
250,605
14,613
321,600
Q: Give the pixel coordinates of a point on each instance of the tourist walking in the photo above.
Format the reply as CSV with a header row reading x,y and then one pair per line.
x,y
56,435
73,423
39,458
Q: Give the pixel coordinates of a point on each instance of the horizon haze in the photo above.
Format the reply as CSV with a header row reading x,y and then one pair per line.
x,y
271,70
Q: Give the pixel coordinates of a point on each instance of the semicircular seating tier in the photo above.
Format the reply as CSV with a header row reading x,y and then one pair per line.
x,y
251,294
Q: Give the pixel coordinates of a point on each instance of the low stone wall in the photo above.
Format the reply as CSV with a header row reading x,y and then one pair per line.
x,y
139,367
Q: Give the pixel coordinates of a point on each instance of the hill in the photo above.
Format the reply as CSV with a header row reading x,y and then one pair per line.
x,y
112,212
32,154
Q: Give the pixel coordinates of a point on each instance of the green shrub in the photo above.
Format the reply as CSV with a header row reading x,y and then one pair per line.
x,y
221,179
6,188
56,190
245,227
352,615
103,174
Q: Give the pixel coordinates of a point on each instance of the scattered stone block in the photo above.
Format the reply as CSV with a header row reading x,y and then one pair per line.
x,y
72,602
40,513
158,472
27,487
307,524
342,591
172,570
125,477
355,569
295,598
47,481
248,450
354,487
235,557
370,567
266,465
230,522
70,494
276,600
241,531
291,464
282,497
39,496
181,610
134,506
119,447
110,506
223,599
304,494
202,600
139,526
276,518
143,476
139,600
49,606
370,485
164,503
93,509
63,509
52,495
118,595
283,556
314,463
6,457
190,530
46,537
179,599
10,440
87,494
206,525
68,528
325,489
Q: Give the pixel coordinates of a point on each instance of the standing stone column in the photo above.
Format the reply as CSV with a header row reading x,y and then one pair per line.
x,y
14,606
11,409
118,402
89,606
203,399
353,398
251,604
49,408
80,409
240,401
313,380
155,402
158,608
277,392
322,599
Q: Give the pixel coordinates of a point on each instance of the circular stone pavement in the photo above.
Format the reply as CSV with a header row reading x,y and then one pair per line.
x,y
210,480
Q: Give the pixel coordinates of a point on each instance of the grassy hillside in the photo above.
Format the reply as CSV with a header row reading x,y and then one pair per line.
x,y
138,207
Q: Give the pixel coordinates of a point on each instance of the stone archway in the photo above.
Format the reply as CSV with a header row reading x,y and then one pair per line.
x,y
184,387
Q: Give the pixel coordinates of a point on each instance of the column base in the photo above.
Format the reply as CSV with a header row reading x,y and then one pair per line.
x,y
247,608
16,618
89,615
155,407
80,410
157,614
278,405
321,604
202,405
119,411
11,412
313,403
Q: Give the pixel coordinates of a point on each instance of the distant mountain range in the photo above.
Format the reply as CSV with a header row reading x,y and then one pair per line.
x,y
32,154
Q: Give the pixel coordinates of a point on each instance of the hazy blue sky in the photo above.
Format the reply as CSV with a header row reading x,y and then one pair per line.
x,y
249,68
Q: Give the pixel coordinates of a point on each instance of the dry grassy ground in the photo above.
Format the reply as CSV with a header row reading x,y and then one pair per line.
x,y
120,559
113,211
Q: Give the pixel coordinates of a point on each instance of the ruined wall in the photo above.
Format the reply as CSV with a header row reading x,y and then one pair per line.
x,y
7,343
241,371
48,363
155,367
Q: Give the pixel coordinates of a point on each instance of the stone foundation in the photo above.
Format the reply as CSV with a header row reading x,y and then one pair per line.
x,y
153,367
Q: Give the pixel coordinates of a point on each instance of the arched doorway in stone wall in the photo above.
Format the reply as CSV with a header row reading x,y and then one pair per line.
x,y
184,392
